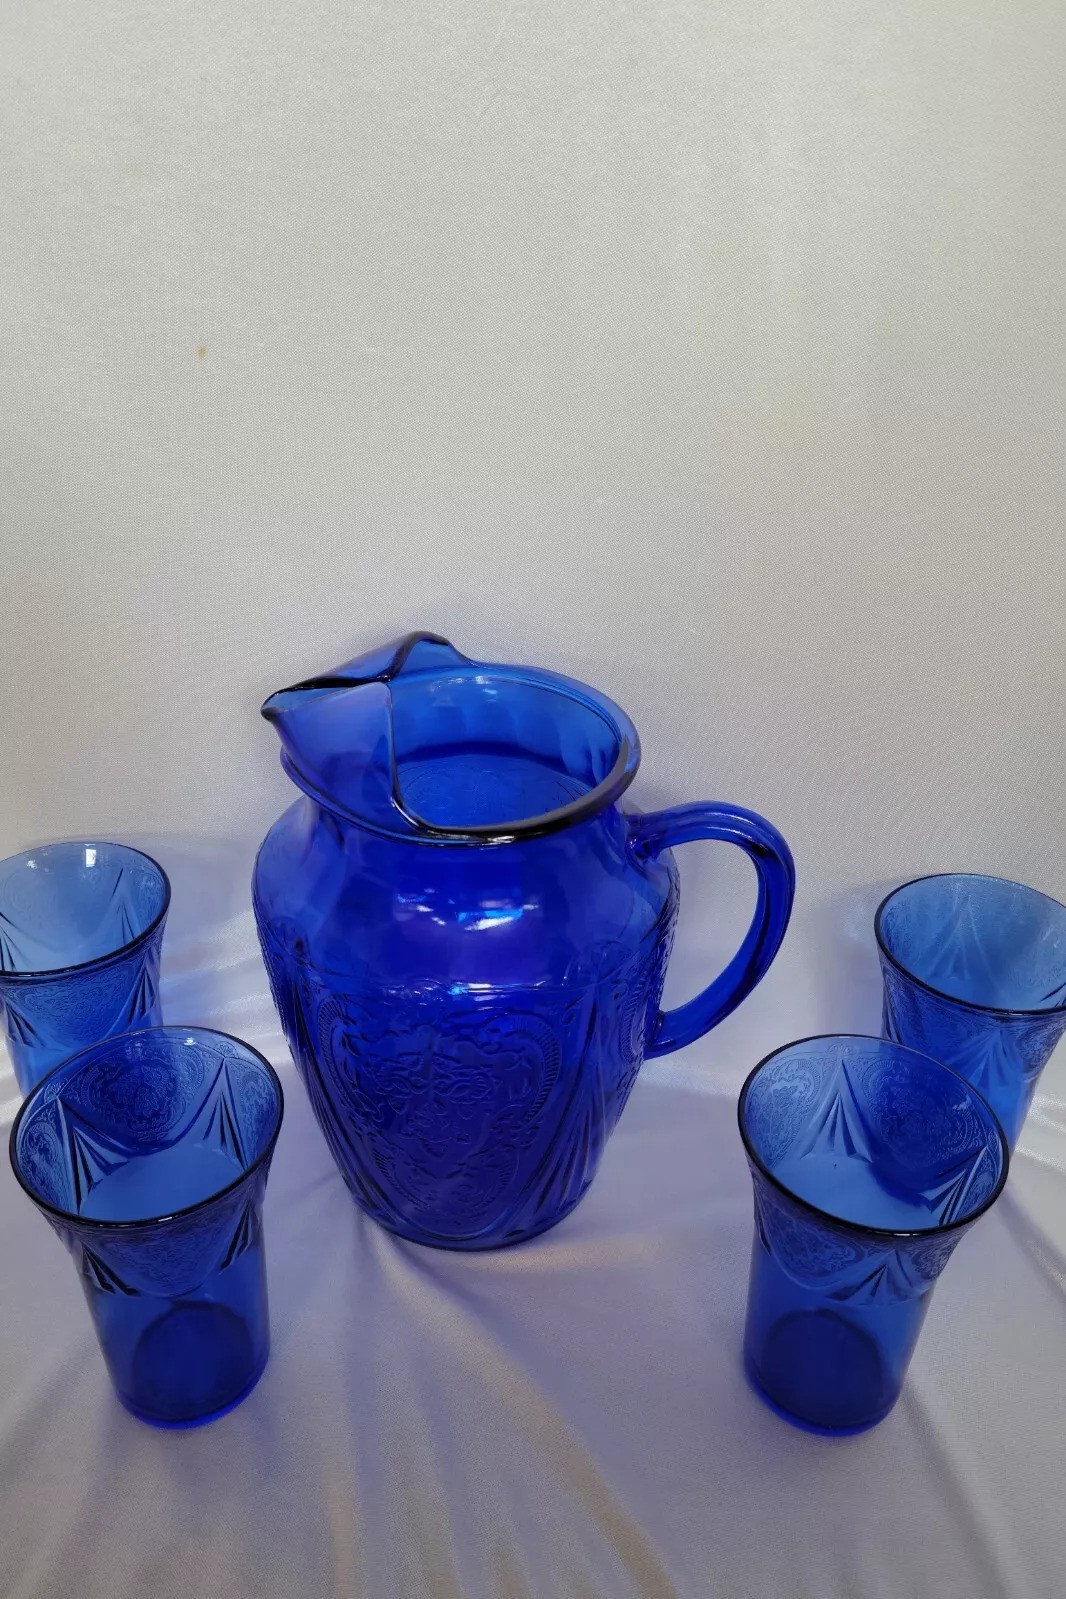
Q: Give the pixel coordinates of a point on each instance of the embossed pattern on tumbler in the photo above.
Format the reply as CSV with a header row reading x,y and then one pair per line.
x,y
81,928
974,973
148,1155
869,1162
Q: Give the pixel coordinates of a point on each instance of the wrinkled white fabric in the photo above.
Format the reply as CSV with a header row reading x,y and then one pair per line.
x,y
563,1420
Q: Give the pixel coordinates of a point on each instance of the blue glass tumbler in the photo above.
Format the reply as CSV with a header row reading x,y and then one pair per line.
x,y
869,1162
974,974
149,1155
81,927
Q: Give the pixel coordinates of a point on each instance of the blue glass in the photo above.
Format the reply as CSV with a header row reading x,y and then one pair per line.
x,y
869,1162
975,975
81,927
149,1154
466,936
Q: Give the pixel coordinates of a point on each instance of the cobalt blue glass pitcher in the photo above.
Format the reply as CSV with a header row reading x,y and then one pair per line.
x,y
466,935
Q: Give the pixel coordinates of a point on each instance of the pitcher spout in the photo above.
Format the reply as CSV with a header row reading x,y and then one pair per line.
x,y
416,740
336,729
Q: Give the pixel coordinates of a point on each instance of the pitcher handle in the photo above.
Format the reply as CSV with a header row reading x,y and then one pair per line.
x,y
776,874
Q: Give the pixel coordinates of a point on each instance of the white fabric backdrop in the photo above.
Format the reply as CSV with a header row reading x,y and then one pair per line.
x,y
711,352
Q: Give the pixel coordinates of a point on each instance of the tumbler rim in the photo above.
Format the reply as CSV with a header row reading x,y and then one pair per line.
x,y
939,1229
48,973
71,1216
942,993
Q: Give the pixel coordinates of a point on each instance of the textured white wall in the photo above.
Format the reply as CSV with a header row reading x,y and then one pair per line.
x,y
713,352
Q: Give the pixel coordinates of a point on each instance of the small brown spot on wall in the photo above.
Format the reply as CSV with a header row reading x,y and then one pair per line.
x,y
201,351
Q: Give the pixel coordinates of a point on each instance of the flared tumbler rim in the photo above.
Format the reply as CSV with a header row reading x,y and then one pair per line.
x,y
895,1233
49,973
1029,1012
72,1217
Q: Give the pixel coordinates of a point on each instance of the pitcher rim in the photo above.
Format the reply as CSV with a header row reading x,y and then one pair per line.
x,y
517,830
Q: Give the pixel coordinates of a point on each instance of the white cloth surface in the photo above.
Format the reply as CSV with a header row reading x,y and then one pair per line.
x,y
564,1420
